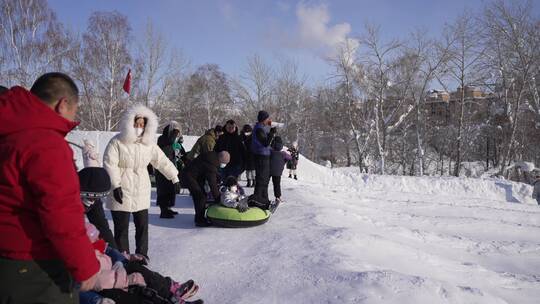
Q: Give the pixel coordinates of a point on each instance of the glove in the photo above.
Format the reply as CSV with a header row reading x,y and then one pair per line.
x,y
242,206
273,130
136,279
139,258
120,274
177,188
118,195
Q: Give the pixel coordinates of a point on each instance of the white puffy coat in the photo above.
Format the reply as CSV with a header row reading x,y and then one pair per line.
x,y
127,157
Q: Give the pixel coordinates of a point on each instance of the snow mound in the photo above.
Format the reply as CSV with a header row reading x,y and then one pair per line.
x,y
481,188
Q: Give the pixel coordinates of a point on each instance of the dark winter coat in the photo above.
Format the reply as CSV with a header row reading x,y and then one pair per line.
x,y
166,144
232,143
293,162
96,216
201,169
536,189
205,143
261,140
249,161
277,160
41,215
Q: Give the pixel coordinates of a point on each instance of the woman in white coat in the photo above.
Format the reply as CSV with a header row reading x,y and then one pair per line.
x,y
126,158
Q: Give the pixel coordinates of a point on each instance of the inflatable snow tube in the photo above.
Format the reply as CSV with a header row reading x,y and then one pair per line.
x,y
231,218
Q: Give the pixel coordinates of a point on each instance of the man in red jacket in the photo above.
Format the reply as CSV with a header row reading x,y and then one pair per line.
x,y
44,251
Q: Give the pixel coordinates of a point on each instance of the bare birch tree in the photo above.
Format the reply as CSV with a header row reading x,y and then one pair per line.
x,y
32,41
511,39
102,68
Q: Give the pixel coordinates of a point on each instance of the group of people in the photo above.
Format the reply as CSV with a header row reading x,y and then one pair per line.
x,y
223,153
47,252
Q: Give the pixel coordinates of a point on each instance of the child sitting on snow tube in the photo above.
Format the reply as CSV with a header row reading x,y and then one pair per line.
x,y
234,208
233,196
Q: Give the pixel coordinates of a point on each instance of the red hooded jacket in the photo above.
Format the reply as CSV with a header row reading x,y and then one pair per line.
x,y
41,214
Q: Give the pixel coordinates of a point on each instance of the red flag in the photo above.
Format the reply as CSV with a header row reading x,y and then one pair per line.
x,y
127,82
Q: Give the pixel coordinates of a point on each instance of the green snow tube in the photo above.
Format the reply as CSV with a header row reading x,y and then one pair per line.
x,y
232,218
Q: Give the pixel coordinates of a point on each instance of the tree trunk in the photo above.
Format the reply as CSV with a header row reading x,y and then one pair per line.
x,y
420,149
378,137
460,131
506,156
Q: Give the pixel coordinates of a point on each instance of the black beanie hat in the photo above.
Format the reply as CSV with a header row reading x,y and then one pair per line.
x,y
277,144
262,116
95,182
247,128
230,181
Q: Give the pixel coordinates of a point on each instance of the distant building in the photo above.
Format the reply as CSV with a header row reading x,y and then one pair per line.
x,y
437,107
443,108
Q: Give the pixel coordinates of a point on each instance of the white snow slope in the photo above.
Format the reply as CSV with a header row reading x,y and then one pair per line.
x,y
343,237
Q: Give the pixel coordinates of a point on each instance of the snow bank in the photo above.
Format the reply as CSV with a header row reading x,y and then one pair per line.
x,y
485,188
481,188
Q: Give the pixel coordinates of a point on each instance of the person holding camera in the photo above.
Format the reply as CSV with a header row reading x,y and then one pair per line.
x,y
262,137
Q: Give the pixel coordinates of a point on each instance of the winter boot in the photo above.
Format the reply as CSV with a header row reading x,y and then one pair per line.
x,y
202,222
290,175
166,213
172,211
252,202
295,177
273,205
184,291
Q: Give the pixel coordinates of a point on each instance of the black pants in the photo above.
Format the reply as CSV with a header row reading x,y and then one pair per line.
x,y
160,284
153,279
121,227
196,190
262,178
231,170
96,216
36,282
166,194
276,182
165,200
120,296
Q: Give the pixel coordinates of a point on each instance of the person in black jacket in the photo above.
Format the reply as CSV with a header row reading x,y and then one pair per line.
x,y
292,164
166,192
261,147
95,184
277,164
249,160
203,169
231,142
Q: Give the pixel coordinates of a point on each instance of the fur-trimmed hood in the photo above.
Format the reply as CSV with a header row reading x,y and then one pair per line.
x,y
127,131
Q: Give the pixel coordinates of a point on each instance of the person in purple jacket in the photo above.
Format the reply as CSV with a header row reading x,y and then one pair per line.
x,y
278,158
262,138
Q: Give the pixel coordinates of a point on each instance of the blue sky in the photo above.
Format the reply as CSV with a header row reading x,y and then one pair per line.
x,y
227,32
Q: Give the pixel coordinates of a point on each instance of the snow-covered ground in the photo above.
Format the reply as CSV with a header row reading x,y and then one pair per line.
x,y
343,237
